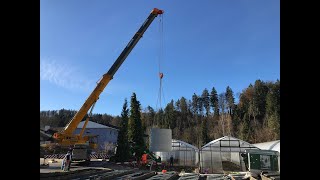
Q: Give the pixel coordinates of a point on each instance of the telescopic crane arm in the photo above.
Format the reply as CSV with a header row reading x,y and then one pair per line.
x,y
66,137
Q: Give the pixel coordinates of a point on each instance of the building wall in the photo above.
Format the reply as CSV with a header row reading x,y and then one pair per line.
x,y
107,137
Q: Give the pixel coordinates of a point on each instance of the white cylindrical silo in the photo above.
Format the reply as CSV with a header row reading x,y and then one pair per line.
x,y
160,140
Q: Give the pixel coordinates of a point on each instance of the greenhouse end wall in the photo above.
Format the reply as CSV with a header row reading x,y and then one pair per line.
x,y
223,154
184,154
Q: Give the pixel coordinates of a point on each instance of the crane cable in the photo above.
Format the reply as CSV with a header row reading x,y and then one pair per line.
x,y
160,57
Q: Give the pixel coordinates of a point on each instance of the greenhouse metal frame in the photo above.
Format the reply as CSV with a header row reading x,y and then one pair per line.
x,y
223,154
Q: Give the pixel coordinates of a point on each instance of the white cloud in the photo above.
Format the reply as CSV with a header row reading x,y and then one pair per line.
x,y
64,75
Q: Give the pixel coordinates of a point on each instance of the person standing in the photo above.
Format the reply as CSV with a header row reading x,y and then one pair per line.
x,y
171,161
67,161
63,163
70,160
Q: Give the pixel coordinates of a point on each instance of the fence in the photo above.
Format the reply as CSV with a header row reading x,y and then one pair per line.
x,y
92,156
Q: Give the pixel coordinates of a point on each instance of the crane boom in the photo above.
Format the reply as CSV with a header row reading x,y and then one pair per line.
x,y
66,137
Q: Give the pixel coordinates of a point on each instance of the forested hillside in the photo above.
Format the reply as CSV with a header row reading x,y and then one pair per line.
x,y
207,115
59,118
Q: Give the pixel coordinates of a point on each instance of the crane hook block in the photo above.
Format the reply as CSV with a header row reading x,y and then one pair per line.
x,y
161,75
157,11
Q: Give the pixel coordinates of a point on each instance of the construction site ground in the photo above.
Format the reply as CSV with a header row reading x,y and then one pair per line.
x,y
55,165
98,169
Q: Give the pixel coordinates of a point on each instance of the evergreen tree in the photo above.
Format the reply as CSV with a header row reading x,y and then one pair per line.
x,y
159,119
253,111
135,130
236,119
205,137
169,116
194,104
200,105
123,152
178,115
206,101
230,99
222,106
214,101
244,130
184,112
178,105
151,113
259,98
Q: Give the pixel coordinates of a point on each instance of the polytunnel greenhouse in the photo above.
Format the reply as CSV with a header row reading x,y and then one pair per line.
x,y
223,154
271,145
184,154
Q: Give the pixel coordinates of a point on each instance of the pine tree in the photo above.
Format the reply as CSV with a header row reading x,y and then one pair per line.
x,y
205,137
200,105
169,116
159,122
259,98
135,127
230,100
206,101
253,111
122,153
214,101
236,120
194,104
150,116
222,116
244,130
184,112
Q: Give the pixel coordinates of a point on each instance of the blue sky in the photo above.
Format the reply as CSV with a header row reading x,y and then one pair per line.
x,y
206,44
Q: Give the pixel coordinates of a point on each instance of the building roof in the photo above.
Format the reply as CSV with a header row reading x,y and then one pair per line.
x,y
92,125
271,145
45,136
56,129
184,144
228,143
50,131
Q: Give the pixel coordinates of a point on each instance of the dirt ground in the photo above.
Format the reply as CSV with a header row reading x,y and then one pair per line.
x,y
54,165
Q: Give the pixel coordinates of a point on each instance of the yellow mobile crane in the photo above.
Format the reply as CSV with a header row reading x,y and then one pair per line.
x,y
66,138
